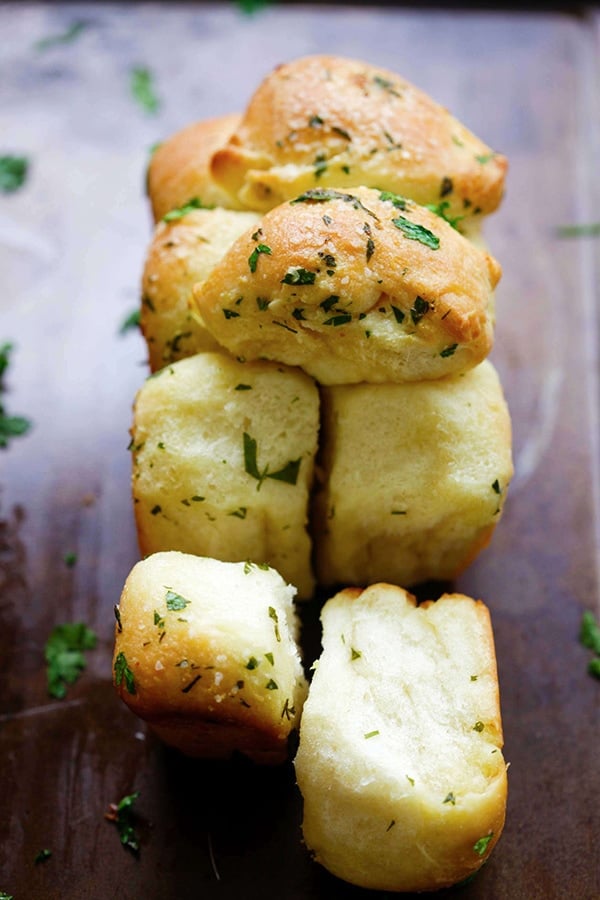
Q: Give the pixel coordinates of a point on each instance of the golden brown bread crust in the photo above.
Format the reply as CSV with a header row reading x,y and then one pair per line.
x,y
360,286
212,663
400,762
180,167
327,120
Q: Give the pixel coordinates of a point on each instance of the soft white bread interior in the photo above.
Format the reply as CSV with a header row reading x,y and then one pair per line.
x,y
399,762
223,456
353,287
412,478
206,652
182,253
322,121
179,169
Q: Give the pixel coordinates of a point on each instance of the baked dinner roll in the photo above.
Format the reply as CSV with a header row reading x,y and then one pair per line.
x,y
206,653
183,252
355,287
399,762
223,457
179,169
414,478
323,121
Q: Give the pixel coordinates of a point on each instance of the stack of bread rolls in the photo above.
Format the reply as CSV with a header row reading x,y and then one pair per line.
x,y
318,306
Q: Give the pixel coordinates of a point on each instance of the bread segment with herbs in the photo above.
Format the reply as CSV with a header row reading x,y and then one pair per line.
x,y
412,478
353,287
206,652
399,762
322,121
223,457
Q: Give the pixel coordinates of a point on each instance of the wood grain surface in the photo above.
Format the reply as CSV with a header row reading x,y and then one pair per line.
x,y
72,243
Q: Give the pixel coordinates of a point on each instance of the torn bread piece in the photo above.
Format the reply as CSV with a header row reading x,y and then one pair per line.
x,y
223,458
353,287
399,762
322,121
183,252
179,168
206,652
413,478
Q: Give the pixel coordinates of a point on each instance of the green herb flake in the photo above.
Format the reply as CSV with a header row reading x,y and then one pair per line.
x,y
484,158
288,473
239,513
180,211
371,734
315,121
5,896
398,315
370,248
419,309
386,85
448,351
446,186
410,780
122,815
253,258
415,232
590,229
336,321
589,632
478,726
131,321
594,667
450,798
175,601
288,711
67,36
64,655
253,663
440,210
123,673
482,844
320,164
13,173
142,89
243,387
272,685
474,677
70,559
496,487
397,201
298,276
270,658
42,856
159,619
322,195
355,654
390,826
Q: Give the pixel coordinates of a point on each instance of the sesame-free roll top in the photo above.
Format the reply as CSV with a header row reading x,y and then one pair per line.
x,y
352,287
324,120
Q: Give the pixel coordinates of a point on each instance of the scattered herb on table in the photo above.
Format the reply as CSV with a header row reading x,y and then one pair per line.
x,y
67,36
10,426
143,90
13,173
132,320
42,856
123,816
589,229
589,636
64,655
70,559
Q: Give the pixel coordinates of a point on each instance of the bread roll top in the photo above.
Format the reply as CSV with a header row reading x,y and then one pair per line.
x,y
331,121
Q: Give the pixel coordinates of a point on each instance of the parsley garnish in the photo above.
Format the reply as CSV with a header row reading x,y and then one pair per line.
x,y
440,210
42,856
446,187
124,674
122,815
64,655
243,387
175,601
355,654
394,199
65,37
371,734
252,663
415,232
418,309
13,173
589,636
398,315
321,195
342,319
478,726
10,426
273,615
298,275
449,351
288,473
386,85
132,320
272,685
5,896
180,211
288,711
70,559
142,89
481,845
253,258
485,158
450,798
496,487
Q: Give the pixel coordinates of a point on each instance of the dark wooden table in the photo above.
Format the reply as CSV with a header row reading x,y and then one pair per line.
x,y
72,242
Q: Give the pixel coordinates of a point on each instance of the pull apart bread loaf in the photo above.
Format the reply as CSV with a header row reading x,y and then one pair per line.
x,y
206,653
223,456
400,763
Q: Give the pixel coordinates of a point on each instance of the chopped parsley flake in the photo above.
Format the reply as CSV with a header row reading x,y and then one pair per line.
x,y
288,711
273,615
70,559
450,798
394,199
180,211
10,426
42,856
298,275
321,195
589,636
191,684
398,315
418,310
446,187
371,734
484,158
386,85
13,173
270,658
288,473
252,663
478,726
496,487
253,258
336,321
65,37
122,815
239,513
449,351
142,89
64,654
123,673
482,844
415,232
272,685
440,210
175,601
355,654
243,387
131,321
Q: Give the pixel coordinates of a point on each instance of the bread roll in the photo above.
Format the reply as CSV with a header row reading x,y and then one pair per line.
x,y
183,252
206,653
223,457
322,121
180,167
400,762
414,478
353,287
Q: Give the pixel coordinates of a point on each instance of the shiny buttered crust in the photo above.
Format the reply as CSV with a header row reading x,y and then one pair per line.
x,y
223,456
325,120
183,252
400,763
353,287
206,653
414,478
179,169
